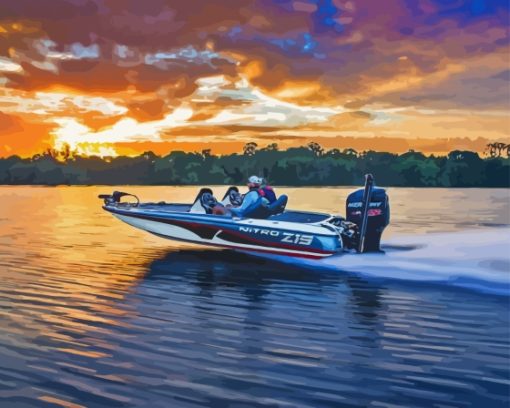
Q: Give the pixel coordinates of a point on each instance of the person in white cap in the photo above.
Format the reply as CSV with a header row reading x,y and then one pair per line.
x,y
254,183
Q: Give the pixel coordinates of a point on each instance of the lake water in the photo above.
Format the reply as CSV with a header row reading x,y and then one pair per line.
x,y
95,313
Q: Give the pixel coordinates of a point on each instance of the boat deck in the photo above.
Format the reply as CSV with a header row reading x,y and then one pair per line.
x,y
301,217
162,206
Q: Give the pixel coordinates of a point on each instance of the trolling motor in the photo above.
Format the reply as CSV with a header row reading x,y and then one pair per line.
x,y
115,197
369,210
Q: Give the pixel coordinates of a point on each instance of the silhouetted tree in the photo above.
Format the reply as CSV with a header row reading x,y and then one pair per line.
x,y
65,152
149,155
350,152
250,148
206,153
334,152
490,150
316,149
496,148
500,147
50,152
270,147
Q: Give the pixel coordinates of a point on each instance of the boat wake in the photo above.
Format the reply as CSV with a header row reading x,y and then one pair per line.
x,y
478,260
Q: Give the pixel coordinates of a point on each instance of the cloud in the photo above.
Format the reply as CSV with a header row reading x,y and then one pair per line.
x,y
298,51
74,133
75,51
51,103
6,65
22,136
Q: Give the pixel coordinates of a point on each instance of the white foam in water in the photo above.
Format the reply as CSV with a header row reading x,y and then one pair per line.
x,y
477,259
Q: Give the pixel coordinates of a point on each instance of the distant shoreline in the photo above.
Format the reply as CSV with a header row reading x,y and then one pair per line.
x,y
295,167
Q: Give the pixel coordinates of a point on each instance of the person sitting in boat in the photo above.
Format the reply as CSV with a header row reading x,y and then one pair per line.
x,y
267,192
259,193
250,197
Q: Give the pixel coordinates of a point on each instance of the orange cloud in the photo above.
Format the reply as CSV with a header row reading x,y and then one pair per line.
x,y
21,137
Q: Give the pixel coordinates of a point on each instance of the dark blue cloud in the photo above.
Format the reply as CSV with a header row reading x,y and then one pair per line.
x,y
464,12
325,18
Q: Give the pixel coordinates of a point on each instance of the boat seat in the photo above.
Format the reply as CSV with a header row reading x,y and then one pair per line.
x,y
204,202
232,197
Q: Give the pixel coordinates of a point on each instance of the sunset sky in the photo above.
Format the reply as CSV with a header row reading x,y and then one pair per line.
x,y
115,77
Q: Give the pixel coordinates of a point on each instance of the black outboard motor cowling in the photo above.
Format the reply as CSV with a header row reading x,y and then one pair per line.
x,y
376,216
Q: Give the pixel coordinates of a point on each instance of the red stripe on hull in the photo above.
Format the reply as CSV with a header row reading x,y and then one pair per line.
x,y
255,241
308,255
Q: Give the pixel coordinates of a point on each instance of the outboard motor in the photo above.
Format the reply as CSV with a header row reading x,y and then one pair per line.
x,y
369,209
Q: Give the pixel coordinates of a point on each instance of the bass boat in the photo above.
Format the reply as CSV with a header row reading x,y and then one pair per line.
x,y
262,228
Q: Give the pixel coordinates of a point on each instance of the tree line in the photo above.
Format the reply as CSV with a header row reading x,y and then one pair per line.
x,y
310,165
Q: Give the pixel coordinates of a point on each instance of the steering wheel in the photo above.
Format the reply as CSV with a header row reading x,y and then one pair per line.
x,y
208,201
235,198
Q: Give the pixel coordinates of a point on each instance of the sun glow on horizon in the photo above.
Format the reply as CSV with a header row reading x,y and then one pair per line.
x,y
255,109
94,149
84,141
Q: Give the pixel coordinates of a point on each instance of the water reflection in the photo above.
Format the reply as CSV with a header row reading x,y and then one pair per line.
x,y
215,268
251,277
211,270
366,299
